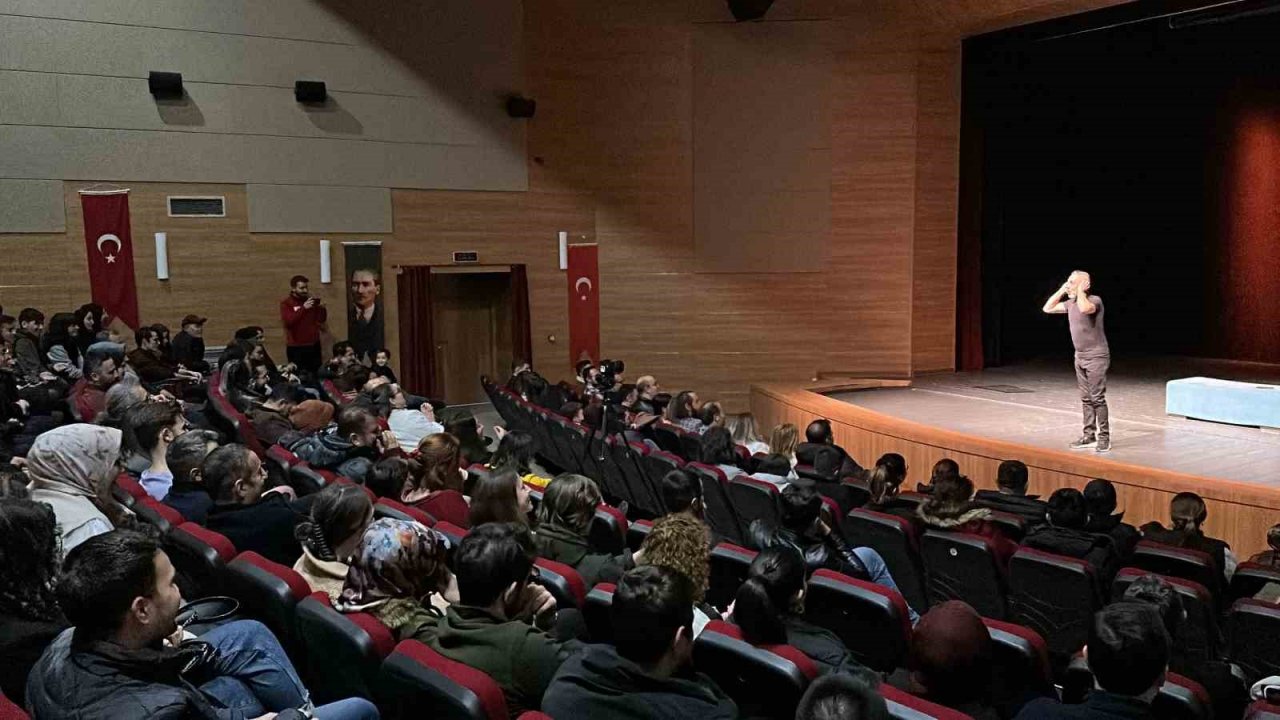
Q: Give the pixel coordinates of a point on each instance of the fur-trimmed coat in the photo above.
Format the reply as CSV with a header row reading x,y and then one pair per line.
x,y
967,518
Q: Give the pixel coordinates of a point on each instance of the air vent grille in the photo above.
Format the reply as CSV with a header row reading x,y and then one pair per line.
x,y
204,206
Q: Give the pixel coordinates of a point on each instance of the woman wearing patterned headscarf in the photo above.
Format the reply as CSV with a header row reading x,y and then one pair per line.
x,y
395,572
72,469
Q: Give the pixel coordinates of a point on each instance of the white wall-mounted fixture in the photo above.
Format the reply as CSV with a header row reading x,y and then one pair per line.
x,y
162,256
564,250
326,269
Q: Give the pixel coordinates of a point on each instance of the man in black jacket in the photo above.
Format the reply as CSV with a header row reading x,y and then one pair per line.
x,y
1011,494
1065,535
819,435
125,657
188,345
647,672
251,518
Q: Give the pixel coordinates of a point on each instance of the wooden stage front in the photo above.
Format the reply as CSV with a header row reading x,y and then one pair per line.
x,y
1034,415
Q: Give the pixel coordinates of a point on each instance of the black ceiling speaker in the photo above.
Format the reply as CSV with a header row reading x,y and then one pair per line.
x,y
165,85
519,106
310,92
749,9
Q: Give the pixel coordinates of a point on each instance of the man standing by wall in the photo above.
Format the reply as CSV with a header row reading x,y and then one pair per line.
x,y
303,317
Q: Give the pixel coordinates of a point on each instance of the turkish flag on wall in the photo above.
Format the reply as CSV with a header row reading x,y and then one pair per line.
x,y
584,303
108,242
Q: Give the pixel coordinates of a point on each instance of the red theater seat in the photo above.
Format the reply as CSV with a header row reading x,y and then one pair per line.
x,y
637,532
9,711
344,651
564,583
386,507
200,557
871,620
1020,663
1251,577
1253,639
1199,634
963,566
894,539
1262,710
269,592
1179,562
596,612
157,514
754,500
729,566
608,531
720,515
765,681
1054,595
129,484
904,706
420,682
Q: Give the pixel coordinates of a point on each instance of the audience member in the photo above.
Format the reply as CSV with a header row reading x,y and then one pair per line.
x,y
776,469
647,673
515,453
682,493
842,697
339,516
351,448
802,529
1227,690
950,508
72,469
564,518
303,316
61,352
19,427
1187,513
118,661
1271,556
92,321
950,660
500,621
270,418
188,345
1128,653
397,573
154,426
683,543
941,469
8,330
26,347
311,416
783,440
1011,495
1064,534
102,369
250,516
717,449
382,365
473,446
1100,499
745,433
500,496
185,458
769,607
437,490
825,476
388,476
819,435
149,361
683,411
410,425
711,415
884,482
30,617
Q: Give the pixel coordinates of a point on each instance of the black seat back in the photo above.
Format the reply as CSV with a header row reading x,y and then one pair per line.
x,y
962,566
1054,595
893,538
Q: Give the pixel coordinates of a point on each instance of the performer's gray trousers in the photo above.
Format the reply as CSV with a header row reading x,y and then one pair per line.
x,y
1091,376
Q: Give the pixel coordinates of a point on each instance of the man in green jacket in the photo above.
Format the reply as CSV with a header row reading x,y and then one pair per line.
x,y
501,621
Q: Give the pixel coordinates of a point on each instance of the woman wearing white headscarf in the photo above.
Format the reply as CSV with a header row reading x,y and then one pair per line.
x,y
72,469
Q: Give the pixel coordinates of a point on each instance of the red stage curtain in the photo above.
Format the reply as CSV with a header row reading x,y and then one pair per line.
x,y
521,332
417,341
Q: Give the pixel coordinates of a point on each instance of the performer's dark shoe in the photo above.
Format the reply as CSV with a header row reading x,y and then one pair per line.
x,y
1104,445
1085,441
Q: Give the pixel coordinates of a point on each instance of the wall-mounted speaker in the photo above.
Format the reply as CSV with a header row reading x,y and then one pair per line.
x,y
310,92
519,106
165,85
749,9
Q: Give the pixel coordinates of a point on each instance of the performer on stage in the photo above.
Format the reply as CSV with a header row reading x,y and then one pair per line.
x,y
1093,357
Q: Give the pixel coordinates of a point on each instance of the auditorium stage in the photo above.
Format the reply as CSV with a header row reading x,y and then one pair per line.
x,y
1154,456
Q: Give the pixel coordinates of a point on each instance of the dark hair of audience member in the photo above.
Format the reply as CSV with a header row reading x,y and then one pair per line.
x,y
680,489
352,420
378,400
1187,512
1273,541
337,512
1161,595
186,455
570,409
102,576
682,406
818,432
1012,474
1066,509
943,468
886,477
951,653
895,464
388,476
438,455
1100,498
148,420
593,416
27,315
799,508
774,584
717,447
651,603
712,415
515,453
222,468
28,555
774,464
1128,648
951,494
489,559
288,394
842,696
569,501
495,498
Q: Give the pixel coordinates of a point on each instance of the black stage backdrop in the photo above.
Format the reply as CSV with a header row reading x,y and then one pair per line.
x,y
1147,154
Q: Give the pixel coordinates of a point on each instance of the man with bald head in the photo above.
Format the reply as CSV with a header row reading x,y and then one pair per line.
x,y
1093,356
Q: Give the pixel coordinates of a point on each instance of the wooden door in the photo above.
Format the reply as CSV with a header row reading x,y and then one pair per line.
x,y
472,320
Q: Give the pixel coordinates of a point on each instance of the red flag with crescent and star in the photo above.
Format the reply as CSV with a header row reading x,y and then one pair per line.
x,y
108,242
584,303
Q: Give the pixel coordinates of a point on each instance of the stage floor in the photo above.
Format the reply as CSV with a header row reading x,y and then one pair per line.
x,y
1046,413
